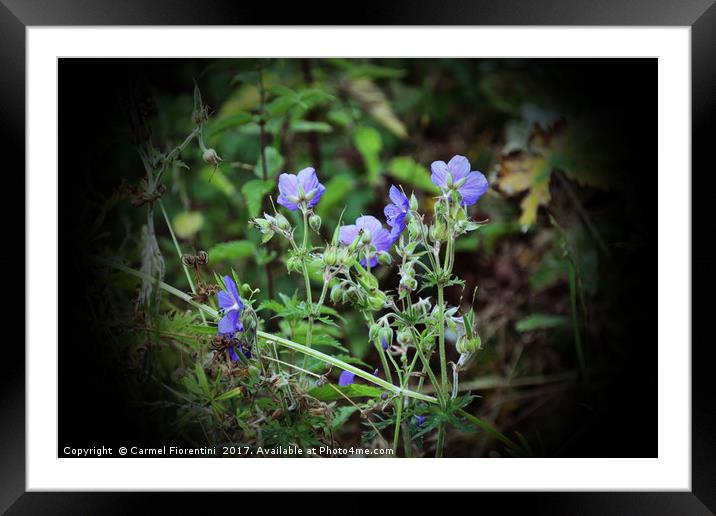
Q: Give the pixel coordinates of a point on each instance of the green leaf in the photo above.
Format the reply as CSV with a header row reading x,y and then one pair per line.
x,y
540,322
407,171
201,377
228,122
230,394
328,392
369,143
187,223
308,126
253,192
231,250
216,178
341,416
274,162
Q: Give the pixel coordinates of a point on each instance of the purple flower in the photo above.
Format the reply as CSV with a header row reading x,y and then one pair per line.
x,y
379,236
346,378
232,307
396,211
296,190
375,373
234,355
385,344
456,176
420,420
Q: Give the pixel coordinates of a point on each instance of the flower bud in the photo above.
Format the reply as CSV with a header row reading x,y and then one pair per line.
x,y
210,157
404,337
315,222
468,345
293,263
366,237
438,231
460,227
336,293
330,255
345,257
374,331
282,222
413,202
376,301
384,258
386,336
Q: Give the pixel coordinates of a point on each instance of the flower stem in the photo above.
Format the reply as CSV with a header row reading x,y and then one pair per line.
x,y
307,281
280,340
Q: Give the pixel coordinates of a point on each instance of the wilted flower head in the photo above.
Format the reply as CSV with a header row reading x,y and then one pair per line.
x,y
299,189
346,378
456,176
372,233
232,307
396,211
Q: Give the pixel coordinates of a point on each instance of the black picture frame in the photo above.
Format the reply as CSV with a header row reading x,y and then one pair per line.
x,y
700,15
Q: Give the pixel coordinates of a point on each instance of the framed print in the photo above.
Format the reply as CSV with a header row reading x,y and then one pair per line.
x,y
451,257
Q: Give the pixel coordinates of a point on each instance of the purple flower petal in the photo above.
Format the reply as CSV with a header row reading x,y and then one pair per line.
x,y
385,344
229,324
439,173
233,291
308,179
395,231
369,222
348,234
382,240
232,354
320,189
459,167
392,212
399,198
346,378
225,300
420,420
288,187
474,188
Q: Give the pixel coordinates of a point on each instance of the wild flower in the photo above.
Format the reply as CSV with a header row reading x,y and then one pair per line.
x,y
300,191
374,238
455,176
419,420
346,378
231,307
396,211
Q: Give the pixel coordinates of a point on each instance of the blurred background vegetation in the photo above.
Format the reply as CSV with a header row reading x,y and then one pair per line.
x,y
564,269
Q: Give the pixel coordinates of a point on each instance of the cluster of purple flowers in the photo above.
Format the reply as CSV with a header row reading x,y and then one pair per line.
x,y
302,191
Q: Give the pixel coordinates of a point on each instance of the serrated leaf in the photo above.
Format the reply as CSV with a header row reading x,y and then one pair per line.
x,y
233,250
342,414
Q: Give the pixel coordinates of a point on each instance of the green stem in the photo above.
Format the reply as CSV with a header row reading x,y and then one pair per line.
x,y
179,253
398,403
307,281
282,341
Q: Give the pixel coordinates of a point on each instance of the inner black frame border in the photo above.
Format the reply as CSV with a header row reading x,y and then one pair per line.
x,y
700,15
